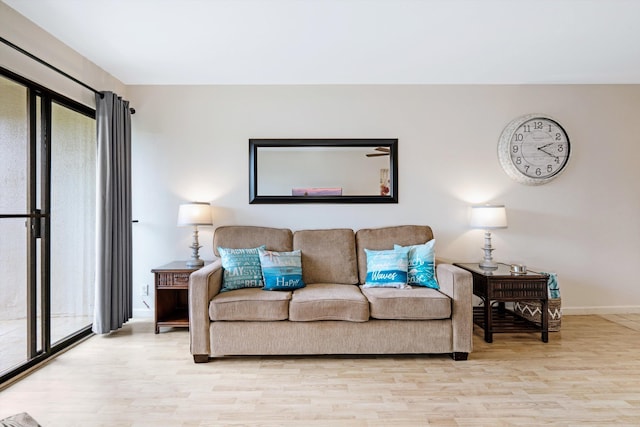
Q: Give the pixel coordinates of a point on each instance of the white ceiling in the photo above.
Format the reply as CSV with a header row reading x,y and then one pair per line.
x,y
350,41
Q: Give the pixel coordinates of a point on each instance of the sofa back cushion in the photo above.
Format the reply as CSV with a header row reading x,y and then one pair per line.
x,y
384,238
246,236
328,256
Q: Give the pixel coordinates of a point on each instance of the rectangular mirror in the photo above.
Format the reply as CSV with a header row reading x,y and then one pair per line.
x,y
323,171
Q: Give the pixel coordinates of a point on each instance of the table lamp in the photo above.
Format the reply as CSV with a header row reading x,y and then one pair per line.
x,y
195,214
488,217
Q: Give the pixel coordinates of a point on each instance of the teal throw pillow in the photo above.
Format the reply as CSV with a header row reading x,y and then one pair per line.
x,y
552,282
281,271
241,268
387,269
422,260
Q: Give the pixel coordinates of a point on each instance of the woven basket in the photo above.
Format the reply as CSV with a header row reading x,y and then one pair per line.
x,y
531,310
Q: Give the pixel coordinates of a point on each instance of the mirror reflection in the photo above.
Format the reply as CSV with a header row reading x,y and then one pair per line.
x,y
329,171
336,171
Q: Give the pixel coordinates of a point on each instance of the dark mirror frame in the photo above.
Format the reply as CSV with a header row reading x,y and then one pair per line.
x,y
255,144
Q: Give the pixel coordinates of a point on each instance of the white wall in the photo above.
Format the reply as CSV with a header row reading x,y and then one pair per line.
x,y
191,143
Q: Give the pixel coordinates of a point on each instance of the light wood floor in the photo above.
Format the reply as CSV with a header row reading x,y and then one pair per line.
x,y
588,374
13,336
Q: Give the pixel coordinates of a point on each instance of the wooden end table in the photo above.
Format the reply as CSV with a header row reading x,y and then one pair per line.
x,y
500,286
172,294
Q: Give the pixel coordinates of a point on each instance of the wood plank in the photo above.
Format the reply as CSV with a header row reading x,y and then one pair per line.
x,y
587,374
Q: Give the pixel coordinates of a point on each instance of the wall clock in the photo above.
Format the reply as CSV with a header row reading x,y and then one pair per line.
x,y
534,149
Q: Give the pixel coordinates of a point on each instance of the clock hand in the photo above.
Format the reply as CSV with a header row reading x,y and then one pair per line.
x,y
548,153
545,146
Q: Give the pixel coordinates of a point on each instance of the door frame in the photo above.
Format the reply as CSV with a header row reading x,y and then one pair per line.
x,y
39,346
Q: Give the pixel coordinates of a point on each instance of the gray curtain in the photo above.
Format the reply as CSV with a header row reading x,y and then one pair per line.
x,y
113,296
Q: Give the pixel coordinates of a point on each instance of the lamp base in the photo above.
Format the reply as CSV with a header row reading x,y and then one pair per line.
x,y
488,265
195,263
195,260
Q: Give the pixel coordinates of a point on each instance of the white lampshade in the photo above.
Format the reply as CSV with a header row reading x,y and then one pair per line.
x,y
196,213
488,216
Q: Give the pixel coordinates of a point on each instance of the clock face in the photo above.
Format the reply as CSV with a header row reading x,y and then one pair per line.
x,y
533,149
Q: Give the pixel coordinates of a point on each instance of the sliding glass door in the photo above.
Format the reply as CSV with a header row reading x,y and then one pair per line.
x,y
20,250
47,222
72,208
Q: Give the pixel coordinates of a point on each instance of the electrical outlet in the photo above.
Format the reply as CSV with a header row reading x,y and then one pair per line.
x,y
144,291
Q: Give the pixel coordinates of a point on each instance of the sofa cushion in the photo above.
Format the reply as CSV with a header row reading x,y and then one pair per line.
x,y
385,238
387,269
241,268
247,236
328,256
250,304
328,301
422,263
281,271
407,304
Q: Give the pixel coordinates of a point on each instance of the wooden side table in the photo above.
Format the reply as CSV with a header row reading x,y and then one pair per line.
x,y
500,286
172,294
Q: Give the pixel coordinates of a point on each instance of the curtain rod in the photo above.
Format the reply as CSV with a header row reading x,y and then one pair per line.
x,y
56,69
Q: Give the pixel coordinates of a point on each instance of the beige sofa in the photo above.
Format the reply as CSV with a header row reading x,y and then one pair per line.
x,y
332,314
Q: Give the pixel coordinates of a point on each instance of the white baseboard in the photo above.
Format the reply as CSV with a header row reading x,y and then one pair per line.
x,y
575,311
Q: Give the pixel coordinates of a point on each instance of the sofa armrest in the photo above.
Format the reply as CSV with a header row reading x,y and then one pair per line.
x,y
457,283
204,284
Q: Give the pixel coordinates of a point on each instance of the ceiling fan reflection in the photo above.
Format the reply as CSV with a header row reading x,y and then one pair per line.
x,y
383,151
